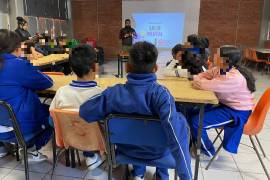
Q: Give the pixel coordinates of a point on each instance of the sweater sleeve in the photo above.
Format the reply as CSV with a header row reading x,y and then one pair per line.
x,y
221,84
176,131
30,77
209,74
94,109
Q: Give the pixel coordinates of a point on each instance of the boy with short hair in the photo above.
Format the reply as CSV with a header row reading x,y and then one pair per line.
x,y
143,95
171,66
82,62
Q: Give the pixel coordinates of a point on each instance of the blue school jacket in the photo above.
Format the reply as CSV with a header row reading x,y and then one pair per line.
x,y
18,82
143,95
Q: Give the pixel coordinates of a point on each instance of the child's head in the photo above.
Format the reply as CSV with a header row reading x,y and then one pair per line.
x,y
198,41
142,58
82,60
22,23
9,42
230,56
227,57
177,52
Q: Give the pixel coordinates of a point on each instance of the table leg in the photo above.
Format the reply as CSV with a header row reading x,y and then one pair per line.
x,y
118,66
198,152
121,67
67,157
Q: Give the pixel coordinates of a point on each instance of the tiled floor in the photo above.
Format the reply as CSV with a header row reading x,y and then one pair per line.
x,y
243,166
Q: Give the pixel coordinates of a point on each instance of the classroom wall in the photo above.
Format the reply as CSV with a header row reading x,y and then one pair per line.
x,y
191,9
98,19
236,22
4,20
36,24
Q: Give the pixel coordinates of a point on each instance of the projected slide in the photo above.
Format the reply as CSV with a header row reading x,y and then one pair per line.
x,y
162,29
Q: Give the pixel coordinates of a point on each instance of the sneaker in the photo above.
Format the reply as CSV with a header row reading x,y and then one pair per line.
x,y
94,162
204,157
3,151
138,178
34,156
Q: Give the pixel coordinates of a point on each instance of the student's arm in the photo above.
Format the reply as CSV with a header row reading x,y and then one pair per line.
x,y
95,108
30,77
176,130
221,84
209,74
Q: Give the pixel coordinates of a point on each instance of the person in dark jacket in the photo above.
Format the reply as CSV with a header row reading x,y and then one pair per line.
x,y
19,81
22,29
143,95
126,35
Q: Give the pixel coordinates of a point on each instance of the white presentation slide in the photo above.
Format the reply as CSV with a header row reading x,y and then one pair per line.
x,y
162,29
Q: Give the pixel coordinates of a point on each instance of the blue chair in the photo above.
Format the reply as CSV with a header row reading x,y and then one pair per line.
x,y
135,130
20,141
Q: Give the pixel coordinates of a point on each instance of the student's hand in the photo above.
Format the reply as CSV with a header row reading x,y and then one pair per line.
x,y
196,84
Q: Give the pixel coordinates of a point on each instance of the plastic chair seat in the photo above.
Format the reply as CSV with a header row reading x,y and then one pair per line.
x,y
166,161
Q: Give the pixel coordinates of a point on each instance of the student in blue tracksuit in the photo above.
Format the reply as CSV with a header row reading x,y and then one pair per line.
x,y
18,82
143,95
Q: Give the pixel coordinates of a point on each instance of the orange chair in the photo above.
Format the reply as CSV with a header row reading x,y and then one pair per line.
x,y
267,65
73,132
246,56
255,59
254,126
54,73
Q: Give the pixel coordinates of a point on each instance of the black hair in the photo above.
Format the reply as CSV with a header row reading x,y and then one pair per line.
x,y
82,59
234,56
21,21
126,20
9,42
143,57
176,49
198,41
193,62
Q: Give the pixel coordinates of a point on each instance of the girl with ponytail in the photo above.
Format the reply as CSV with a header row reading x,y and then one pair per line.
x,y
233,85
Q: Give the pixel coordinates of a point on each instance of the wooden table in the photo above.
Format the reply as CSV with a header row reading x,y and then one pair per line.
x,y
263,51
51,59
181,90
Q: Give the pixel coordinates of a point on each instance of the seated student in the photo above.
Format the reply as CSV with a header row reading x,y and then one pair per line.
x,y
143,95
171,66
233,86
29,52
18,82
200,46
82,62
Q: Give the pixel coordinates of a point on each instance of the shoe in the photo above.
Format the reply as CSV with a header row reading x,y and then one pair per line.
x,y
34,156
94,162
138,178
3,151
204,157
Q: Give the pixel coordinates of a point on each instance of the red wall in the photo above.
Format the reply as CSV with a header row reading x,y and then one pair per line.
x,y
99,19
236,22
